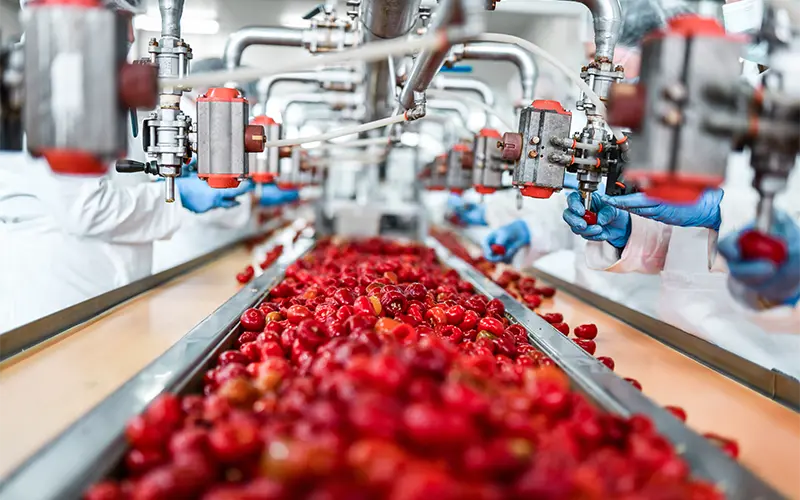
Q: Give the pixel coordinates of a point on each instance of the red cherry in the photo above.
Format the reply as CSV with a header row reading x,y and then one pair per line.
x,y
609,362
729,446
562,327
436,316
492,325
590,217
253,320
757,245
247,337
587,331
532,301
415,291
232,357
498,249
470,320
188,440
246,275
296,314
495,308
231,442
143,434
553,318
587,345
634,383
271,348
677,411
165,411
137,462
107,490
455,314
251,350
546,291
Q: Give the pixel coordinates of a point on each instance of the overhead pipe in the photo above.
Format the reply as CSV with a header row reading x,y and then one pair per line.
x,y
607,20
384,19
451,13
448,105
335,101
465,84
280,36
519,57
344,78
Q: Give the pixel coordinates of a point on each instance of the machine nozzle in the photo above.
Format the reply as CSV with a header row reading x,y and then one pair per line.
x,y
169,189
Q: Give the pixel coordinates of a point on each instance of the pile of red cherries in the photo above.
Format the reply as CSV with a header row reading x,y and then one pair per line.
x,y
371,371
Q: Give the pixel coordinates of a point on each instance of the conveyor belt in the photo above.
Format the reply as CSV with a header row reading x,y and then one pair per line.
x,y
99,433
768,433
45,389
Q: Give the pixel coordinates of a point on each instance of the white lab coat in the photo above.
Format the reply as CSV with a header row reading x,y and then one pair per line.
x,y
694,294
66,239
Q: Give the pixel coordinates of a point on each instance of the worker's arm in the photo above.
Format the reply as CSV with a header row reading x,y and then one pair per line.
x,y
100,208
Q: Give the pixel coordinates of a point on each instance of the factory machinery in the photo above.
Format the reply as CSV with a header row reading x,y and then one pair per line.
x,y
684,116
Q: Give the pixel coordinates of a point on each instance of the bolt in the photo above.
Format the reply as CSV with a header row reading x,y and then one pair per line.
x,y
672,117
619,68
500,144
532,154
675,92
535,140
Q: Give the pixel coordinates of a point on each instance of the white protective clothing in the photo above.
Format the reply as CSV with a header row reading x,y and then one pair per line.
x,y
694,295
66,239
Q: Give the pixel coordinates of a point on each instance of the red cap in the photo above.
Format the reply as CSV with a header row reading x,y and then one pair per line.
x,y
263,120
263,177
91,4
457,191
221,94
435,188
460,148
288,186
692,25
73,162
221,181
532,191
489,132
544,104
484,189
675,188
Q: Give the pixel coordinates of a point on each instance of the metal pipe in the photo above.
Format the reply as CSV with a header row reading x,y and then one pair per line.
x,y
427,63
521,58
467,84
332,100
385,19
321,77
171,12
458,107
607,20
280,36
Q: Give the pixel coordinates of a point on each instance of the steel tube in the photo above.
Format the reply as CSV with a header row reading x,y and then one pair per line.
x,y
171,12
320,77
279,36
522,59
607,20
466,84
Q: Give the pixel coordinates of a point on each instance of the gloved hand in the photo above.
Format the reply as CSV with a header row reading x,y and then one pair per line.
x,y
470,213
198,197
703,213
776,284
272,196
512,237
613,225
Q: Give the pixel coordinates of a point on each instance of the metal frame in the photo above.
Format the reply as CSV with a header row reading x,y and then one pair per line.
x,y
773,384
92,446
31,334
616,395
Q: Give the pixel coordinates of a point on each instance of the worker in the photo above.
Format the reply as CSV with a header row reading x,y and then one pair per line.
x,y
65,239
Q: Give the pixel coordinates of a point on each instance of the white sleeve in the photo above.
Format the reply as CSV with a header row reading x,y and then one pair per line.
x,y
645,252
549,232
100,208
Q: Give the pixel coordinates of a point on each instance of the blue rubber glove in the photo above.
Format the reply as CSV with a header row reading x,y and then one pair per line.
x,y
512,237
272,196
703,213
198,197
473,214
763,281
613,225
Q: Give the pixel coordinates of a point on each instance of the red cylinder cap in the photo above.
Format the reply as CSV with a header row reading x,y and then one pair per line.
x,y
548,105
435,188
484,189
221,181
489,132
680,188
460,148
694,25
223,94
263,177
457,191
72,162
288,186
537,192
91,4
263,120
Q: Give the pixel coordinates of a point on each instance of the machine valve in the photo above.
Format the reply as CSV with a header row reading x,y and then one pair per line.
x,y
489,164
459,168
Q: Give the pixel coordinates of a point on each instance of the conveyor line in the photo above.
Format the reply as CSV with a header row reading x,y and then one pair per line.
x,y
61,471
